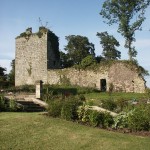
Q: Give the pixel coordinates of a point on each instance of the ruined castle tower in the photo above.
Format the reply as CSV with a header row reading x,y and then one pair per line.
x,y
38,58
35,54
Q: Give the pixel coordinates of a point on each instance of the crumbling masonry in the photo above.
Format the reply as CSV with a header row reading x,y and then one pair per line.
x,y
37,58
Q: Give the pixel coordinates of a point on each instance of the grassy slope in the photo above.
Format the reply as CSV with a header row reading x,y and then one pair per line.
x,y
104,96
37,132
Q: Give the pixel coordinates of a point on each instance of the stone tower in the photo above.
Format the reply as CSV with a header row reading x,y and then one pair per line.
x,y
35,54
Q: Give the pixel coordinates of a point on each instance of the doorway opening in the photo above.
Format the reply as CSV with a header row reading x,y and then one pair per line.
x,y
103,85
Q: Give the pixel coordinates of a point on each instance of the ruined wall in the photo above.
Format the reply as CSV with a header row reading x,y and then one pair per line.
x,y
31,59
126,79
35,53
76,77
122,77
37,57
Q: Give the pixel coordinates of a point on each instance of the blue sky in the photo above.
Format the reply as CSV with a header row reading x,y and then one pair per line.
x,y
64,17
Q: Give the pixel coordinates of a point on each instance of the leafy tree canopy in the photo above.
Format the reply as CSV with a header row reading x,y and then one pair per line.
x,y
65,61
3,76
129,15
78,47
109,44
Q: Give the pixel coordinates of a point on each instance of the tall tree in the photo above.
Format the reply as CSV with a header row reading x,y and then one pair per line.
x,y
109,44
129,15
78,47
11,75
3,77
65,61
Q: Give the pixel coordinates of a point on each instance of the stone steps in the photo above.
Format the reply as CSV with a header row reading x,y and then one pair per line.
x,y
30,106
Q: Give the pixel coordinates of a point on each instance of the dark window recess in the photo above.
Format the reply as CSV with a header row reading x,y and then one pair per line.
x,y
103,85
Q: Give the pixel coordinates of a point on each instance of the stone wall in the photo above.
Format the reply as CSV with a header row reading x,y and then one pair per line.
x,y
31,59
34,55
36,59
123,78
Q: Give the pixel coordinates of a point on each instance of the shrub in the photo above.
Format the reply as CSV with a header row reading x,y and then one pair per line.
x,y
121,120
9,105
121,104
93,117
54,108
87,61
48,95
12,105
90,102
22,88
108,120
96,118
69,108
139,118
83,113
109,104
2,104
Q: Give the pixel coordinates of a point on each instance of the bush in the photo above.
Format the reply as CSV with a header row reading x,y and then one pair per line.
x,y
83,113
121,104
47,95
121,121
2,104
87,61
108,120
96,118
139,118
12,106
69,108
90,102
8,105
22,88
93,117
65,108
54,108
109,104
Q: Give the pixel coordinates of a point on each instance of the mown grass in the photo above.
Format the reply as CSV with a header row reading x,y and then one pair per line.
x,y
98,96
24,131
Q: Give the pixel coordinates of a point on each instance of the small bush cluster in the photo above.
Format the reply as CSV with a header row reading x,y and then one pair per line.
x,y
65,108
8,105
63,104
94,118
137,119
109,104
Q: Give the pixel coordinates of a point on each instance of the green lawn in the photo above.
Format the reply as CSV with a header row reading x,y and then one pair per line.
x,y
33,131
98,96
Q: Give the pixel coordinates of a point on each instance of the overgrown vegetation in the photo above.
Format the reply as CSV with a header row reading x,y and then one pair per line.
x,y
8,105
19,89
93,117
64,107
90,63
68,103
